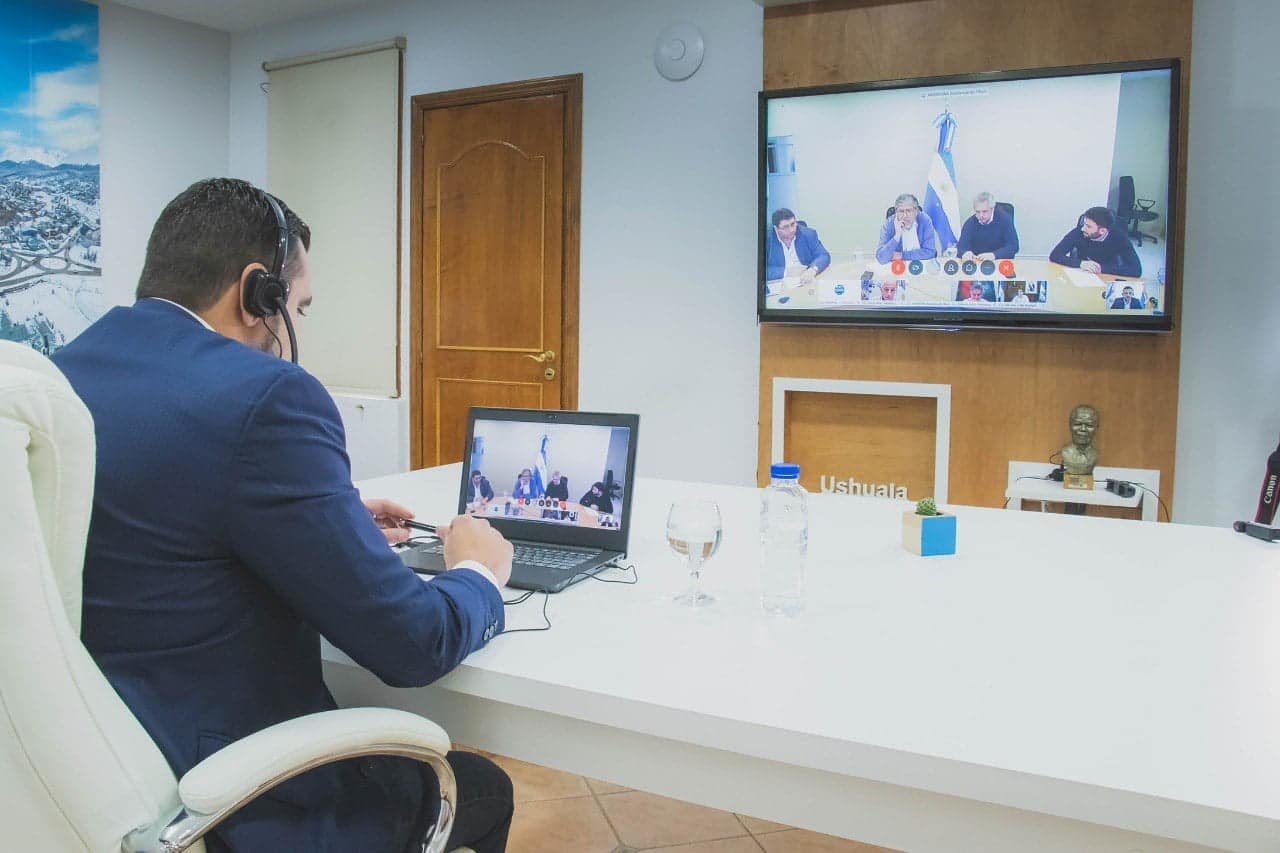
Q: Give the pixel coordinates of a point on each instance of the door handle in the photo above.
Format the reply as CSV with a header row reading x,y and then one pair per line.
x,y
543,357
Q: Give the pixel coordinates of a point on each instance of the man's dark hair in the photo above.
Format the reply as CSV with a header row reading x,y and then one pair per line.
x,y
781,215
1101,216
205,238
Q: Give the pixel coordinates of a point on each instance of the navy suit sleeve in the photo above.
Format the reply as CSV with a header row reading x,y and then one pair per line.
x,y
774,262
298,523
819,257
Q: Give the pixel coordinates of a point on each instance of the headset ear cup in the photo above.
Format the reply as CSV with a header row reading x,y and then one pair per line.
x,y
262,294
276,293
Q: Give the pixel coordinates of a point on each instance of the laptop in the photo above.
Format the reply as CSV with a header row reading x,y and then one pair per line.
x,y
557,484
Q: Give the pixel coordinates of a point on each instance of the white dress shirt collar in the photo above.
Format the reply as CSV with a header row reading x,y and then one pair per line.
x,y
199,319
789,257
911,237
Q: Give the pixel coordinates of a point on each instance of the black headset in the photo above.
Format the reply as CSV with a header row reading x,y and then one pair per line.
x,y
267,293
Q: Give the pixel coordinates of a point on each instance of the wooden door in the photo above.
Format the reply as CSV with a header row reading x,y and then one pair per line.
x,y
494,252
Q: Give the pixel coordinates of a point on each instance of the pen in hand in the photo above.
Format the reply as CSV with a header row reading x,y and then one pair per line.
x,y
416,525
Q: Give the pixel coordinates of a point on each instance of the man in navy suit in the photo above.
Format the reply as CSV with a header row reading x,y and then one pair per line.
x,y
792,244
226,537
478,488
1126,299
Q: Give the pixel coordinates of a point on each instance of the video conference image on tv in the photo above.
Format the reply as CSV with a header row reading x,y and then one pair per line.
x,y
1033,197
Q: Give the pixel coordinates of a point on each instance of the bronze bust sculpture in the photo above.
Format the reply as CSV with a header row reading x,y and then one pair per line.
x,y
1080,456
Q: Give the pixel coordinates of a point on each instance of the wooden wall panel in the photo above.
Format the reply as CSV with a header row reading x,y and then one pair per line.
x,y
1011,391
874,440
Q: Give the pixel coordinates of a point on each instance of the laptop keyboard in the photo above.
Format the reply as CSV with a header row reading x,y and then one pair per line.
x,y
532,555
551,558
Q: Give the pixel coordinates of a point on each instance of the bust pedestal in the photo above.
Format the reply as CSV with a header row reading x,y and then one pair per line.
x,y
1077,481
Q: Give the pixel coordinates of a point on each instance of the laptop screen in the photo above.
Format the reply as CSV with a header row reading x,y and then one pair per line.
x,y
548,473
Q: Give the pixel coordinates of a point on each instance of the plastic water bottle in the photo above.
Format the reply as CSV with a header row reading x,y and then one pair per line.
x,y
784,534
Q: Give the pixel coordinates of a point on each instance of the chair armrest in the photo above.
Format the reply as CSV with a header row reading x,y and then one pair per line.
x,y
235,775
266,758
1145,203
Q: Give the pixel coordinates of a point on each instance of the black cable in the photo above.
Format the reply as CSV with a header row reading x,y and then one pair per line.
x,y
1167,516
635,579
545,598
275,337
520,600
288,325
413,540
1026,477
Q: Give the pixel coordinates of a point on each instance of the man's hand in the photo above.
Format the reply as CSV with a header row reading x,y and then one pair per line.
x,y
387,516
1091,266
807,275
968,256
471,538
987,256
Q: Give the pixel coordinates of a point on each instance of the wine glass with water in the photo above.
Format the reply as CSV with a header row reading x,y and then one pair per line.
x,y
693,532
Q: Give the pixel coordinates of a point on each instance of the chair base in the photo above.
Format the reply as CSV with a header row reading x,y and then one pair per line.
x,y
1137,236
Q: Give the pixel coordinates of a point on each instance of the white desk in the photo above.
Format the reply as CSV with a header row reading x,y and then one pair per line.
x,y
1061,684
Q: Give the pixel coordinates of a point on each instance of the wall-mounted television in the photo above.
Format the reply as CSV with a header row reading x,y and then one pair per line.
x,y
1042,198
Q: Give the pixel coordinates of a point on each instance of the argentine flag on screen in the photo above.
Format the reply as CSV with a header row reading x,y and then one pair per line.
x,y
941,198
541,468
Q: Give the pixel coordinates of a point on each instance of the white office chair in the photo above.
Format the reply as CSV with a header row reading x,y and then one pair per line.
x,y
78,772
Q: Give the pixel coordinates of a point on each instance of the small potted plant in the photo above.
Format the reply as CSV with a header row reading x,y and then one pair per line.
x,y
928,531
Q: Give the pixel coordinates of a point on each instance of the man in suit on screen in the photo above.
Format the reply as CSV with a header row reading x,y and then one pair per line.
x,y
792,245
908,233
227,536
478,488
1126,300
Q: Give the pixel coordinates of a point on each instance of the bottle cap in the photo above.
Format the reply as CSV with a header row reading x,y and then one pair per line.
x,y
784,471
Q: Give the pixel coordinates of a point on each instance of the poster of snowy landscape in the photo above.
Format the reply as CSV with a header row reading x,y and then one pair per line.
x,y
50,226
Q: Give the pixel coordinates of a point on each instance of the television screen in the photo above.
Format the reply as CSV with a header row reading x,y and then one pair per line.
x,y
1039,198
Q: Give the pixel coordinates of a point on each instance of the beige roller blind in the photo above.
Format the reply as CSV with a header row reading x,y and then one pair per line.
x,y
333,154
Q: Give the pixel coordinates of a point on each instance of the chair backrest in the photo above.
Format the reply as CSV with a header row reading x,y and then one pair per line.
x,y
77,769
1005,207
1125,195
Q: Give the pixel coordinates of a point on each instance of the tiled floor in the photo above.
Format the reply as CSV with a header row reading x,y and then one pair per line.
x,y
561,813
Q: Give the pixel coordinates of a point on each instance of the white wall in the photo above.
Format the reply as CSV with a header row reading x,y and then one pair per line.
x,y
1142,145
1229,387
668,265
164,106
